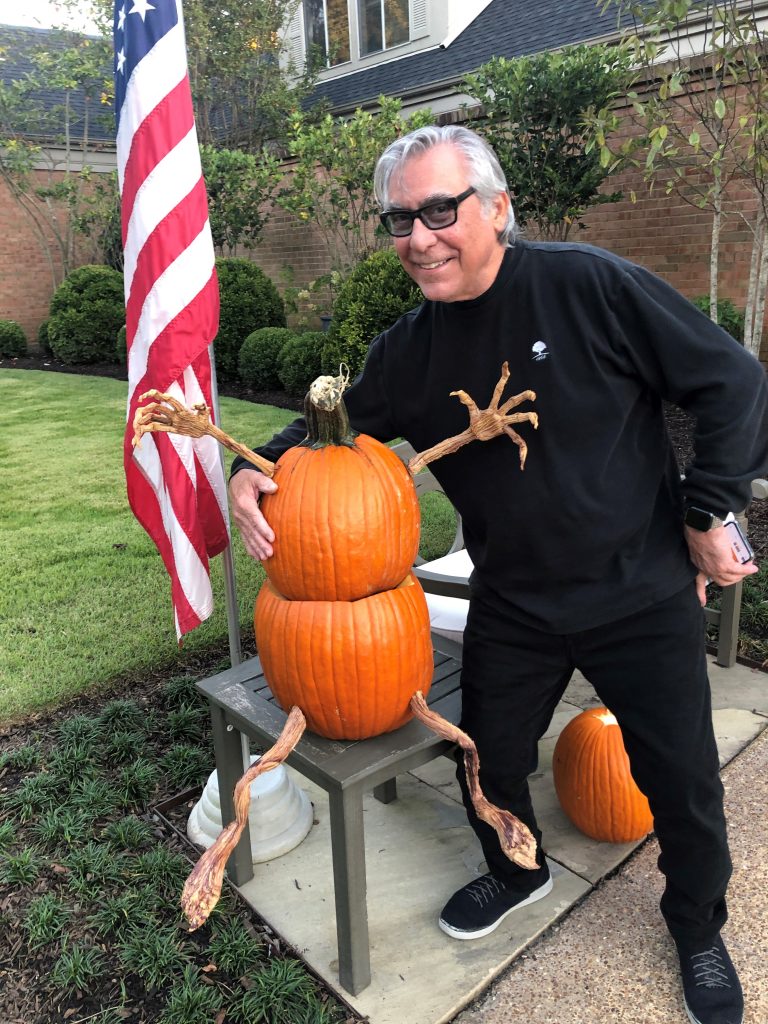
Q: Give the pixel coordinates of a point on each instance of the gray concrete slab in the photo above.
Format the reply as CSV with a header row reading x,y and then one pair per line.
x,y
420,849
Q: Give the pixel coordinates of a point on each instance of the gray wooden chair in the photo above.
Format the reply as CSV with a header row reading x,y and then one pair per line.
x,y
445,580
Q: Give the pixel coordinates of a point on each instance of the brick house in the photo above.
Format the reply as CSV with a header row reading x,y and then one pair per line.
x,y
419,50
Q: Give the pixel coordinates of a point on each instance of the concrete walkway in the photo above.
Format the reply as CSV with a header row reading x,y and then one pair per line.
x,y
595,950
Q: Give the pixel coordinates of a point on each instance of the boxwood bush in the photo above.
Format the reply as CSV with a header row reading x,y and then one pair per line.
x,y
377,292
42,339
259,354
87,311
249,301
13,340
121,345
300,362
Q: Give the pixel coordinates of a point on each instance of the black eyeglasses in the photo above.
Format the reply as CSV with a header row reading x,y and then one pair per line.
x,y
437,215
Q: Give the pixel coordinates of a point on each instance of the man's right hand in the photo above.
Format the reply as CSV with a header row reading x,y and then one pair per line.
x,y
245,489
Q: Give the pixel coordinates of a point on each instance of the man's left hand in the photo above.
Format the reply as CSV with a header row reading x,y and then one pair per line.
x,y
712,555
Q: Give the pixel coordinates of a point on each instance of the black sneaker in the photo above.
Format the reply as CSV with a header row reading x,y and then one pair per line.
x,y
711,986
482,905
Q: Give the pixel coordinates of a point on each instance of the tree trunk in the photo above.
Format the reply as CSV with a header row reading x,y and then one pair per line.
x,y
756,337
714,256
754,269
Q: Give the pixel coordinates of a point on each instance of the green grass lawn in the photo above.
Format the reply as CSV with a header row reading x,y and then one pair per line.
x,y
85,598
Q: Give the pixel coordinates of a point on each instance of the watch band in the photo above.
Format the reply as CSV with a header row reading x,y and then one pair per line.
x,y
700,519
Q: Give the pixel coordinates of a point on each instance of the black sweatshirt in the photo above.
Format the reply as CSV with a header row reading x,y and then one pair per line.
x,y
591,530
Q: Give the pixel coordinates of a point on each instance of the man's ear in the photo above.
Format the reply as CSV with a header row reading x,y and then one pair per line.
x,y
500,211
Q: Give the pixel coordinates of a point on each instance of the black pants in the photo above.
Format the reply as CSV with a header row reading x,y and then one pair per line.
x,y
650,671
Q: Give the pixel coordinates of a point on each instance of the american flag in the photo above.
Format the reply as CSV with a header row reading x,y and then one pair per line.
x,y
175,484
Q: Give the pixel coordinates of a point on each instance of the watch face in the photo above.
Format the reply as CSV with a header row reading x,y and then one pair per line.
x,y
698,518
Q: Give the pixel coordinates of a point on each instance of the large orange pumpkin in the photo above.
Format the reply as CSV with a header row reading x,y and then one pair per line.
x,y
345,515
593,781
351,666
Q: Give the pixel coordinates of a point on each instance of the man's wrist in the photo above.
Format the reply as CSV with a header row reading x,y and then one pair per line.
x,y
702,519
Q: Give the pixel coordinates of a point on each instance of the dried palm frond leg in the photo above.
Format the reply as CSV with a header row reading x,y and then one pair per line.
x,y
516,839
167,415
484,424
203,887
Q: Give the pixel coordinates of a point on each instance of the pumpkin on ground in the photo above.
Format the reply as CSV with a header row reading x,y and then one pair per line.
x,y
593,780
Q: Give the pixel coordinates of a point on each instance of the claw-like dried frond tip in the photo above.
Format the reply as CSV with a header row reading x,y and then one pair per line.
x,y
167,415
516,839
484,424
203,887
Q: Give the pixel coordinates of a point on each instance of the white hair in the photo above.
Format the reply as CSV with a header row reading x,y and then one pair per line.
x,y
485,173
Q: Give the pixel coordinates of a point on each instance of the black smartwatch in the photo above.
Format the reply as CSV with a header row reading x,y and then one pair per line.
x,y
700,519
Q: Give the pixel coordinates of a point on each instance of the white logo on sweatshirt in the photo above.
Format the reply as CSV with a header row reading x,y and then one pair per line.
x,y
540,351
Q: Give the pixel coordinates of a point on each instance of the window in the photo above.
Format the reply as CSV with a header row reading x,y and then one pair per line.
x,y
383,23
327,27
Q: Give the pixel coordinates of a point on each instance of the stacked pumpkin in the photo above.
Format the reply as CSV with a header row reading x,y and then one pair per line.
x,y
342,624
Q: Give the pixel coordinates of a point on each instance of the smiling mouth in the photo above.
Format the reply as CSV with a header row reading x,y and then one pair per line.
x,y
431,266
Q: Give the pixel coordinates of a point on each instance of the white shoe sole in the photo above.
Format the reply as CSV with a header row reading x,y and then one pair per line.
x,y
457,933
692,1016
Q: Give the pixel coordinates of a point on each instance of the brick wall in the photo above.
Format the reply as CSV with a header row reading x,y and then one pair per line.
x,y
663,233
26,277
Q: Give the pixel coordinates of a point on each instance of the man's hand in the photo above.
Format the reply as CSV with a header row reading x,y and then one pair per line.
x,y
245,489
712,555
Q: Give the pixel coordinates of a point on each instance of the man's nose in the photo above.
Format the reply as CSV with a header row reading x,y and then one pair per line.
x,y
422,237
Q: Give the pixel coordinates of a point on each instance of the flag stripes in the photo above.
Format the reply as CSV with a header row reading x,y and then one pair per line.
x,y
175,484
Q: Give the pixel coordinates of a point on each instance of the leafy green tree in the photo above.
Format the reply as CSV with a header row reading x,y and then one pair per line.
x,y
239,187
44,148
331,183
533,116
699,110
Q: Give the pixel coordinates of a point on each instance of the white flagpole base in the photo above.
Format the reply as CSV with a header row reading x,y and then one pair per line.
x,y
280,815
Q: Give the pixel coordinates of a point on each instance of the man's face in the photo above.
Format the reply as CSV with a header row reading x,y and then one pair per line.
x,y
455,263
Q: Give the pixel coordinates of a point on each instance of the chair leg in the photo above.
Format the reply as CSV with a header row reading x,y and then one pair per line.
x,y
350,890
386,792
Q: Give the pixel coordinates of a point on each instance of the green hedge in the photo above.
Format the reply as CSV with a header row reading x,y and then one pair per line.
x,y
13,340
87,311
249,301
376,293
259,356
300,362
729,317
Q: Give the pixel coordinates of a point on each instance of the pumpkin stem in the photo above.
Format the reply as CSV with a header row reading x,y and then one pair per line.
x,y
484,424
167,415
326,414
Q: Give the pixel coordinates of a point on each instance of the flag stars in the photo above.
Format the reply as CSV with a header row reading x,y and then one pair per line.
x,y
121,18
120,61
141,7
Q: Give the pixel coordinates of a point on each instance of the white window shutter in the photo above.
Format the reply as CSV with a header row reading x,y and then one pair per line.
x,y
296,48
418,18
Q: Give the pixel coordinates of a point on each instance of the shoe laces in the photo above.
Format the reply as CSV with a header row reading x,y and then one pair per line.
x,y
709,970
484,889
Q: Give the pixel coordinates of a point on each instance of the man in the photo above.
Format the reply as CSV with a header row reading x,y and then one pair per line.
x,y
595,557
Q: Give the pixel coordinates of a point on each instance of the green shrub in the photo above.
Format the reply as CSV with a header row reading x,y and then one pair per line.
x,y
121,345
376,293
249,301
43,340
87,311
13,340
259,355
729,317
300,362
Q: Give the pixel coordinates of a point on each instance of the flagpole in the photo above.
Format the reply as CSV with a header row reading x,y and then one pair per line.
x,y
230,586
